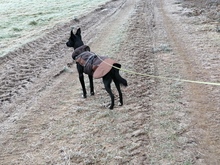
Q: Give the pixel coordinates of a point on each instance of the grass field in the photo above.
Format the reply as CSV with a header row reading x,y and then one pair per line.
x,y
23,19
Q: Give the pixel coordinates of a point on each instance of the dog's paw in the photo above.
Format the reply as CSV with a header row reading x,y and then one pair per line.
x,y
92,93
109,106
84,96
120,104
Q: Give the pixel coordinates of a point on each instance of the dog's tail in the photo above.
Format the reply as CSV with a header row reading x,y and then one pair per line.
x,y
118,76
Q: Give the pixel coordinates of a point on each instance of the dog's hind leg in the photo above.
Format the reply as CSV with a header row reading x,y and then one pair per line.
x,y
91,85
107,83
117,84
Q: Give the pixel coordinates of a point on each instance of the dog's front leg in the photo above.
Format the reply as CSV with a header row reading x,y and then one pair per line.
x,y
81,79
91,85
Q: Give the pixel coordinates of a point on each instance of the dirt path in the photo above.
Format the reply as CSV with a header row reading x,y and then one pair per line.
x,y
45,121
200,58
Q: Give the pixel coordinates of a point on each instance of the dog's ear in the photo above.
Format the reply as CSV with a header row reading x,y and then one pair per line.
x,y
71,34
78,32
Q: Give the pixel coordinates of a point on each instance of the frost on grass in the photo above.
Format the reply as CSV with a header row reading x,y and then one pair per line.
x,y
32,17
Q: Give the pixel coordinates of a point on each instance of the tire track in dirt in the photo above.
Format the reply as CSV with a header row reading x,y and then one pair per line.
x,y
27,64
202,104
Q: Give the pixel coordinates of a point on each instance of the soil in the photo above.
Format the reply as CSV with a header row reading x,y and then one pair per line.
x,y
44,119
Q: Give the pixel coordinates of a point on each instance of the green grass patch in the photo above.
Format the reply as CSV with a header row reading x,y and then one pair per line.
x,y
33,23
15,29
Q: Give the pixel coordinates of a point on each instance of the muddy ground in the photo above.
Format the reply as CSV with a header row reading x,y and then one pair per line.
x,y
44,119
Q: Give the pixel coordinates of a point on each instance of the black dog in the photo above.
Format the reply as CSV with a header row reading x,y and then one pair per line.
x,y
75,41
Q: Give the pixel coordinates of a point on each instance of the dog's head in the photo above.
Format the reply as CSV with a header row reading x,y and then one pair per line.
x,y
75,40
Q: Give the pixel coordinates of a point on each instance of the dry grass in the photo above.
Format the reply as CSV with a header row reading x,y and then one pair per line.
x,y
208,8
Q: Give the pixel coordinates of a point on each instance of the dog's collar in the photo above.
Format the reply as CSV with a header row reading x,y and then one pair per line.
x,y
80,50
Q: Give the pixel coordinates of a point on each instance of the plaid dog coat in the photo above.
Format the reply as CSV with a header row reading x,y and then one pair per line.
x,y
98,66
